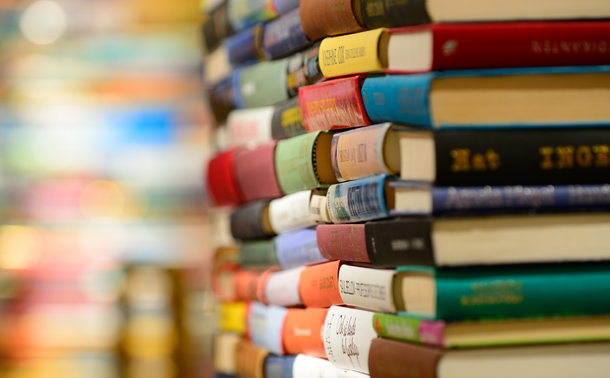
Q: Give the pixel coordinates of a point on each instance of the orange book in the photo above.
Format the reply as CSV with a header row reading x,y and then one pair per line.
x,y
319,285
246,282
250,360
303,331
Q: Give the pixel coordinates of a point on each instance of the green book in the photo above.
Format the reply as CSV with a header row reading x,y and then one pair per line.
x,y
506,292
263,84
257,253
303,162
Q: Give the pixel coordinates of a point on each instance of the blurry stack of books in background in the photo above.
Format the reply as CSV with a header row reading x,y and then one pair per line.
x,y
459,228
102,135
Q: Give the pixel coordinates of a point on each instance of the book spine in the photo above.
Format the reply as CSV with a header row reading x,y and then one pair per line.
x,y
351,54
391,359
520,44
342,242
232,317
393,14
303,331
356,201
367,288
279,367
222,98
318,208
401,241
265,325
287,120
244,46
246,222
313,74
545,157
250,360
294,163
290,213
347,338
263,84
308,366
246,283
522,292
285,6
410,329
401,99
245,13
258,253
221,180
217,27
284,36
328,17
298,248
333,105
255,173
319,285
359,153
250,126
282,288
225,352
490,198
296,75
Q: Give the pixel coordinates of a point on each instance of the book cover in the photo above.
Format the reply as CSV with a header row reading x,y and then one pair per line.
x,y
287,120
356,201
255,172
283,36
319,285
290,212
328,17
303,331
342,242
297,248
367,288
332,105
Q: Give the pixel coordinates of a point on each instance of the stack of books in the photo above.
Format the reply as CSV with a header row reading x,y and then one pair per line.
x,y
422,193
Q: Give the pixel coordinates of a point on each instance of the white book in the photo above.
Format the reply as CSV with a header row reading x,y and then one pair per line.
x,y
291,212
313,367
282,288
368,288
250,127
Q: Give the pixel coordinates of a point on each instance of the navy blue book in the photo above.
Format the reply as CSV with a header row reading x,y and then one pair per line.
x,y
244,47
279,367
284,36
530,97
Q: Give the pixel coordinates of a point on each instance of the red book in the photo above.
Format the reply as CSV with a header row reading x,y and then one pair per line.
x,y
332,105
319,285
342,242
221,181
255,173
303,331
451,46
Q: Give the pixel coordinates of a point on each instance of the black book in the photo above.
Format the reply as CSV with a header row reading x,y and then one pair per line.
x,y
251,221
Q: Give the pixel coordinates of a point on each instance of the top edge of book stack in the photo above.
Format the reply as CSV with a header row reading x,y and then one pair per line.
x,y
410,188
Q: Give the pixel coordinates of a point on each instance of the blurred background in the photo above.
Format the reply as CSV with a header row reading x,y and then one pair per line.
x,y
103,133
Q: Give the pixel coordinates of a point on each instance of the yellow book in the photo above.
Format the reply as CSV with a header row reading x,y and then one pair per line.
x,y
364,52
231,317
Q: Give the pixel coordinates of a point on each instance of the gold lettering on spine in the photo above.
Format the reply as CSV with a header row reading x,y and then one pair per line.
x,y
584,157
547,162
602,155
461,160
478,162
565,155
493,159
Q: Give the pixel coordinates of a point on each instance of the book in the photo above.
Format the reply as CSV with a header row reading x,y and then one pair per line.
x,y
245,46
283,36
368,288
282,288
297,248
343,242
265,324
302,331
257,254
303,162
261,84
320,18
255,172
347,338
545,156
505,292
290,212
222,98
250,360
287,120
245,13
250,127
285,6
494,332
308,366
318,208
361,200
225,352
554,96
231,317
333,105
247,282
216,28
220,179
391,359
279,366
319,285
251,221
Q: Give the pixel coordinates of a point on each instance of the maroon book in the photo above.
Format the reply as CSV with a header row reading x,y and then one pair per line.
x,y
502,45
255,173
221,182
342,242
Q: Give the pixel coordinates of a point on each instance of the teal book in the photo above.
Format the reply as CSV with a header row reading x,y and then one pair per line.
x,y
257,254
522,97
506,292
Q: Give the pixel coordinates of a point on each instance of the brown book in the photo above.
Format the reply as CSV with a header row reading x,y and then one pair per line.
x,y
320,18
255,173
250,360
395,359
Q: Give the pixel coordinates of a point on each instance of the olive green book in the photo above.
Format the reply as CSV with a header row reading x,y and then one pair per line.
x,y
263,84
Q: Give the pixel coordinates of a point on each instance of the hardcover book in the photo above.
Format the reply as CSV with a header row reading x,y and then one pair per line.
x,y
255,172
320,18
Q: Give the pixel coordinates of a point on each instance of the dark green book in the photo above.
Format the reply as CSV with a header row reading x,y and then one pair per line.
x,y
257,254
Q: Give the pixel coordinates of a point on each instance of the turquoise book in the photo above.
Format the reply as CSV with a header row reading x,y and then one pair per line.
x,y
523,97
505,292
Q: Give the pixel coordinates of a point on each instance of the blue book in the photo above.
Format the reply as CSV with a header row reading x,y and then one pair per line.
x,y
423,200
278,367
359,200
265,325
243,46
524,97
285,6
284,36
297,248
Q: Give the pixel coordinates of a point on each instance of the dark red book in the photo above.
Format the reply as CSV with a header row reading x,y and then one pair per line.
x,y
255,173
332,105
221,181
342,242
451,46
